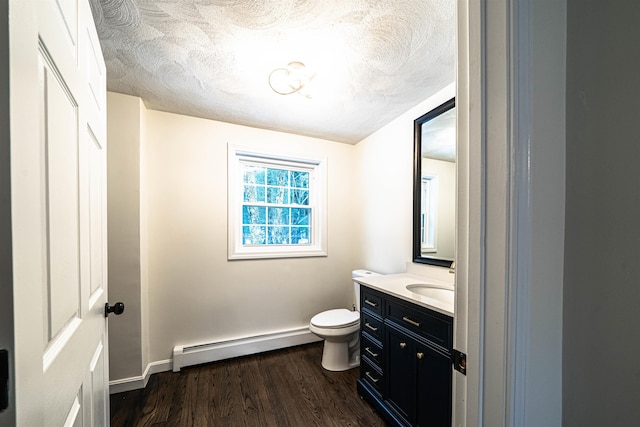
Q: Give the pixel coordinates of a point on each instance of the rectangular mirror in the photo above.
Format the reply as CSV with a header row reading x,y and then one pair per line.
x,y
434,186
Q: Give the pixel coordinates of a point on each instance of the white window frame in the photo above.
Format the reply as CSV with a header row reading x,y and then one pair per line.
x,y
317,202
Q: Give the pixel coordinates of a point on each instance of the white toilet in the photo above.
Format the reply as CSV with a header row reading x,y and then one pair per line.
x,y
340,330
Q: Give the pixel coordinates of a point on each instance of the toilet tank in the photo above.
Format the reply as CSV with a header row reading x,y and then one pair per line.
x,y
356,286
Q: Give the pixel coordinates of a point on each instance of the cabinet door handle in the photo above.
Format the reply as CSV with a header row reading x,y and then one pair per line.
x,y
371,327
413,322
371,303
420,355
371,352
403,344
375,380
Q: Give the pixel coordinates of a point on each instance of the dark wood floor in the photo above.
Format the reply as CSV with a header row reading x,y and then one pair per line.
x,y
280,388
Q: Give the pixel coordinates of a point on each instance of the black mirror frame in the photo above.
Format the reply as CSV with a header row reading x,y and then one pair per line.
x,y
417,179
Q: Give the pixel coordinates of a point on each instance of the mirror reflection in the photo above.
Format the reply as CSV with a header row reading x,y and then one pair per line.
x,y
435,186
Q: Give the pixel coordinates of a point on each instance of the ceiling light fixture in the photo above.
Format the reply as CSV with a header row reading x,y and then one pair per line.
x,y
293,78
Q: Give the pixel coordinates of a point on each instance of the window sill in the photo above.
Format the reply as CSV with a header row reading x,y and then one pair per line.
x,y
259,253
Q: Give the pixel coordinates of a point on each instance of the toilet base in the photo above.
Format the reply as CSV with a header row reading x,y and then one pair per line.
x,y
335,357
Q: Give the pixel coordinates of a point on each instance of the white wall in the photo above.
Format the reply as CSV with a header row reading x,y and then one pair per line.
x,y
195,294
601,340
384,200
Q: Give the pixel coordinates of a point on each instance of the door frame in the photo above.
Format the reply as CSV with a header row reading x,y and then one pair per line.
x,y
510,238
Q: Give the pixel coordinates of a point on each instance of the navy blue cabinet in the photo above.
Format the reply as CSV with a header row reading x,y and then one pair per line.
x,y
434,390
406,369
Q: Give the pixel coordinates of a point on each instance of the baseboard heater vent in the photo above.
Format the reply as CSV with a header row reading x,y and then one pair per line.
x,y
210,352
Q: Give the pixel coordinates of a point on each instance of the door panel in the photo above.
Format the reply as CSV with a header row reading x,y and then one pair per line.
x,y
61,201
98,387
68,13
74,419
96,156
95,71
400,376
434,387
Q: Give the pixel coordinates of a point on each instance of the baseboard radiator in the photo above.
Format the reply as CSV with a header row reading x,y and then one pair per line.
x,y
210,352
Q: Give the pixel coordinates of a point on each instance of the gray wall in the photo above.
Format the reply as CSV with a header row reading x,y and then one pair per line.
x,y
601,374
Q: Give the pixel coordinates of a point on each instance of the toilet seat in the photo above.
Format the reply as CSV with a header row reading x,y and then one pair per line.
x,y
336,319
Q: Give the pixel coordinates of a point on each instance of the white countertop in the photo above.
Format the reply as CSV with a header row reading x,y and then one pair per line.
x,y
396,285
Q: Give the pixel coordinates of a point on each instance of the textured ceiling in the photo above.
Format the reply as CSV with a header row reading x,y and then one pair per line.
x,y
439,137
373,59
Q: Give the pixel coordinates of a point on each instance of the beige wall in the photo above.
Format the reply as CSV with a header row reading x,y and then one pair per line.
x,y
127,333
384,196
195,294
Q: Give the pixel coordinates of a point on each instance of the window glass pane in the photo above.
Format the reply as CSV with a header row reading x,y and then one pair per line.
x,y
252,174
254,235
254,215
300,216
279,235
276,205
300,179
278,195
279,216
253,193
299,197
278,177
300,235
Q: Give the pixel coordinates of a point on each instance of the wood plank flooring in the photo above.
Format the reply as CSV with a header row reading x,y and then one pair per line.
x,y
281,388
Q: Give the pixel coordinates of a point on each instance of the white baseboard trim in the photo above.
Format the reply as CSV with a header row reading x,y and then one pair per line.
x,y
210,352
126,384
134,383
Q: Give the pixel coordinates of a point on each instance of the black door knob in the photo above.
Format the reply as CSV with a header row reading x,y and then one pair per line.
x,y
117,309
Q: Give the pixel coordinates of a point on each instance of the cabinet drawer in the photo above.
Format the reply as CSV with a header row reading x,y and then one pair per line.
x,y
433,326
372,376
371,326
371,301
371,350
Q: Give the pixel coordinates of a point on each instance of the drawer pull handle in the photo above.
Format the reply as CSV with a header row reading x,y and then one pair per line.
x,y
413,322
403,344
375,380
371,327
371,352
371,303
420,355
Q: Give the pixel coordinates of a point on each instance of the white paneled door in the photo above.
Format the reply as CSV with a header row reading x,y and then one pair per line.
x,y
58,215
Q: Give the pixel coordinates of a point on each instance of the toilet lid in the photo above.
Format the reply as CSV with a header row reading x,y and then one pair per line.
x,y
337,318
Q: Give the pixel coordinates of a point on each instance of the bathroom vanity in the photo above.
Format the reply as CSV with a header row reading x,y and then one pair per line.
x,y
406,347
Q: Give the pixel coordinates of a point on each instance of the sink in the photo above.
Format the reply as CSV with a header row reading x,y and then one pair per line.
x,y
435,292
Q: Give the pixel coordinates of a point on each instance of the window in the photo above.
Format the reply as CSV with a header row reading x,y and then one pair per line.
x,y
276,205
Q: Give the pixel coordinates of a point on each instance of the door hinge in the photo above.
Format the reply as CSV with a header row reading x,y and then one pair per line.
x,y
460,361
